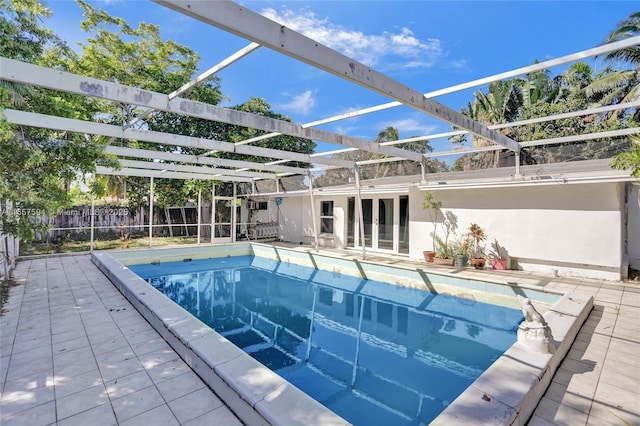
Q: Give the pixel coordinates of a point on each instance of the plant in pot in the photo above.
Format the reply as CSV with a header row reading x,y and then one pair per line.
x,y
498,256
461,249
477,234
444,250
432,206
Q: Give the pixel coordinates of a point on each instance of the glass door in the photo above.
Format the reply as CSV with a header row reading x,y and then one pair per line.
x,y
222,220
384,222
384,219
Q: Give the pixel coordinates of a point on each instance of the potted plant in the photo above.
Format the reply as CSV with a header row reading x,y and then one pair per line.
x,y
461,248
478,259
497,256
432,206
444,250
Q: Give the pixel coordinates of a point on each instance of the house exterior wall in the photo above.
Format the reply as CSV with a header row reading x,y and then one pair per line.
x,y
571,229
290,219
633,226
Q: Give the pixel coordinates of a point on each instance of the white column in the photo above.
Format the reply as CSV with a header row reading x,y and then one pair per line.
x,y
151,195
199,213
360,214
313,212
234,219
213,206
93,218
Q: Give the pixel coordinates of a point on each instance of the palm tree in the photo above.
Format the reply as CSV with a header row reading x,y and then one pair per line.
x,y
499,105
630,27
612,86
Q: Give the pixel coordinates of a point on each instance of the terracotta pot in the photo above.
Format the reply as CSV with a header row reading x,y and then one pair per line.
x,y
478,262
500,264
429,255
441,261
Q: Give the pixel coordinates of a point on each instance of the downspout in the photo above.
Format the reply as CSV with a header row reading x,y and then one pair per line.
x,y
360,213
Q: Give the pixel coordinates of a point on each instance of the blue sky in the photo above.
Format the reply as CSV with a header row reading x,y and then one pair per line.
x,y
427,45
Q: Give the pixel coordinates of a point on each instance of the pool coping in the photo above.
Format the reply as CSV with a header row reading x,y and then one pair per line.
x,y
506,393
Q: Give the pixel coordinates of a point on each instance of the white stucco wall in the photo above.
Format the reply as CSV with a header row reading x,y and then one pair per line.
x,y
633,227
290,219
573,229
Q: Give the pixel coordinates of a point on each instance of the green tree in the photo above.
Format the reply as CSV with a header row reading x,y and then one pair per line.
x,y
500,104
624,86
378,170
37,165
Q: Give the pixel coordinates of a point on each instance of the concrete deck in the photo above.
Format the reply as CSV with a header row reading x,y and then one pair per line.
x,y
74,351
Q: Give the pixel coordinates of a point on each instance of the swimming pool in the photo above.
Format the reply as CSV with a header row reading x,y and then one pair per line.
x,y
505,393
372,352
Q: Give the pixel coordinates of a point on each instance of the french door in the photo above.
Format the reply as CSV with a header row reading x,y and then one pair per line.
x,y
223,219
385,223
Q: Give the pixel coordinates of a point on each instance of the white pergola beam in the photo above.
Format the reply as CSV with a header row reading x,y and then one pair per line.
x,y
172,167
215,163
80,126
246,23
540,142
292,156
102,170
23,72
596,51
202,77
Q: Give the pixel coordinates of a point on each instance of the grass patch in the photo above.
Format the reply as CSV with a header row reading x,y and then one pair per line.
x,y
80,246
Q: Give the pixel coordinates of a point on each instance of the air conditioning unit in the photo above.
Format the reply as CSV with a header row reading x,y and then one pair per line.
x,y
252,205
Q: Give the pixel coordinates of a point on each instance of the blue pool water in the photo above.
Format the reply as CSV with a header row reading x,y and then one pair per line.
x,y
374,353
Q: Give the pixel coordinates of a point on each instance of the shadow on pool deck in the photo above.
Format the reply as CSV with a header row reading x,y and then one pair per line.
x,y
72,349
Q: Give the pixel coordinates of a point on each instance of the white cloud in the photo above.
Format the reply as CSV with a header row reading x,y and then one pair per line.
x,y
300,104
403,48
408,127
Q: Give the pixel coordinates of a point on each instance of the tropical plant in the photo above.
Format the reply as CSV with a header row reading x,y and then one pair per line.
x,y
444,248
629,160
478,235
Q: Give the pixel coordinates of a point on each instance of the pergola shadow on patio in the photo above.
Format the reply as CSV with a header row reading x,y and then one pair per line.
x,y
102,363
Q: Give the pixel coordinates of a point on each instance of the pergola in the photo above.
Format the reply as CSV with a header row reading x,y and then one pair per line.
x,y
262,32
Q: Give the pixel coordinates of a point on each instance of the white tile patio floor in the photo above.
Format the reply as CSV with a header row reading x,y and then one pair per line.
x,y
73,351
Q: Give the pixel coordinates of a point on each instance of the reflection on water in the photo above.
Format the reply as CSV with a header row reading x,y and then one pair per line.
x,y
372,352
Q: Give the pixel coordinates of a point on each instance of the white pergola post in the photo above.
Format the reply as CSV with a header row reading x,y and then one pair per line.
x,y
199,214
151,195
517,164
313,212
233,213
360,213
213,209
93,218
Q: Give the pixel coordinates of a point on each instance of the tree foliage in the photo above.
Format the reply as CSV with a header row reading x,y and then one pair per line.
x,y
37,165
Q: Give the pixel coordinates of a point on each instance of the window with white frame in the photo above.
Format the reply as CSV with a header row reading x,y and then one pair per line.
x,y
326,217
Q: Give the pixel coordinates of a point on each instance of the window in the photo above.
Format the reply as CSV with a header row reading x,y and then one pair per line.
x,y
326,217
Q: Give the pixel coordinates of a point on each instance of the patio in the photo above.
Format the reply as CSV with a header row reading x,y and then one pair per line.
x,y
75,351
